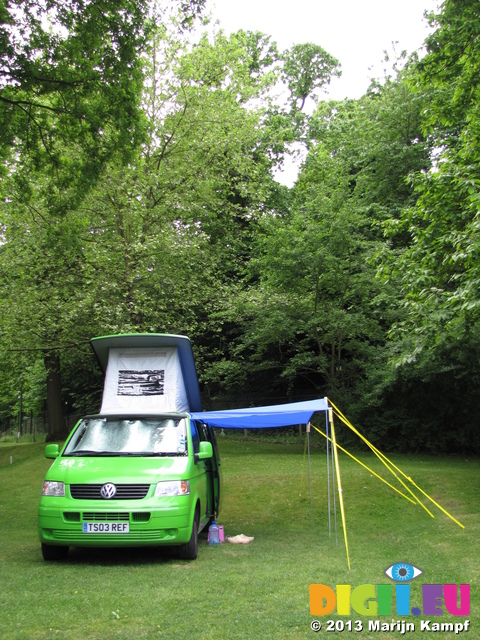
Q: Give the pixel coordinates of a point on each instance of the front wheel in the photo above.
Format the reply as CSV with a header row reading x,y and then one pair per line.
x,y
189,550
51,552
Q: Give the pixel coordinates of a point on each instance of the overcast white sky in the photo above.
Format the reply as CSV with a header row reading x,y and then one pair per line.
x,y
356,32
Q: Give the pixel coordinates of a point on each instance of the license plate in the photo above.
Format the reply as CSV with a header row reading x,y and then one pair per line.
x,y
105,527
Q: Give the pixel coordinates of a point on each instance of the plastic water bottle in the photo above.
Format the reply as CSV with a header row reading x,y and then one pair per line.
x,y
213,534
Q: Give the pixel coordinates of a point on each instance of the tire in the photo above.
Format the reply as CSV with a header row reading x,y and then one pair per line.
x,y
189,550
51,552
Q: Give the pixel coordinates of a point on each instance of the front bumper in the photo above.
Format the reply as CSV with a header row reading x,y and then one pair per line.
x,y
165,521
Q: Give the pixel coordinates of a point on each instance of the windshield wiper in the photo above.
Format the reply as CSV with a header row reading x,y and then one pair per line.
x,y
153,454
92,452
170,454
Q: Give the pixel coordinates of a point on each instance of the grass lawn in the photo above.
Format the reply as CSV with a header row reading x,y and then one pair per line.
x,y
244,592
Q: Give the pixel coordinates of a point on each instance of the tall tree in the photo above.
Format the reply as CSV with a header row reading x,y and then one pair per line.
x,y
70,97
67,70
306,320
440,269
437,340
307,68
152,245
176,228
314,313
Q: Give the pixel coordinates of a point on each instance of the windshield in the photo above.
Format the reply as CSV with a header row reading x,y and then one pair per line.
x,y
120,437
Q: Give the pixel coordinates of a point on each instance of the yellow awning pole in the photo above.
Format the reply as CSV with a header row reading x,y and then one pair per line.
x,y
383,458
423,492
365,466
340,491
304,461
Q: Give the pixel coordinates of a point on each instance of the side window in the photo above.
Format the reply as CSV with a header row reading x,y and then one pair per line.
x,y
195,438
207,433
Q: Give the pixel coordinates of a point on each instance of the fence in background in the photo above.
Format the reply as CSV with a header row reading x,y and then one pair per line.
x,y
31,427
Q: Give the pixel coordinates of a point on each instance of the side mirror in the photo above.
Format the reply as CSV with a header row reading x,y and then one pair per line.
x,y
206,451
52,451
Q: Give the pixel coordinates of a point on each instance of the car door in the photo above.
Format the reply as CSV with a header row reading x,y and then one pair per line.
x,y
200,476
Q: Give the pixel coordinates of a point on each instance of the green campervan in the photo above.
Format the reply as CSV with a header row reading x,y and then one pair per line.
x,y
142,472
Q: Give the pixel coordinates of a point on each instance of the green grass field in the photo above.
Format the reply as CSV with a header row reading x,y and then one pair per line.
x,y
244,592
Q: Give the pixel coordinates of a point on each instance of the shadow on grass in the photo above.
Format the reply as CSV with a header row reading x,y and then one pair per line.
x,y
128,556
120,556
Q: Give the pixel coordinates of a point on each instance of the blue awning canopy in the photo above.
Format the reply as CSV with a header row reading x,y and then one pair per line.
x,y
278,415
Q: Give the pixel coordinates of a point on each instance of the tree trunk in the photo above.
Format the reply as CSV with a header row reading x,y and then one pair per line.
x,y
332,361
55,420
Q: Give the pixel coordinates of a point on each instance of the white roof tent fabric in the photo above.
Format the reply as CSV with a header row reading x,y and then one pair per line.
x,y
147,373
280,415
144,380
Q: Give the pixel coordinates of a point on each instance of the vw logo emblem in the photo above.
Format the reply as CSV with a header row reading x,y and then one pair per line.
x,y
108,491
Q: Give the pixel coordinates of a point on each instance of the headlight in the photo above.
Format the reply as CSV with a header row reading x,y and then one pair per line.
x,y
172,488
53,489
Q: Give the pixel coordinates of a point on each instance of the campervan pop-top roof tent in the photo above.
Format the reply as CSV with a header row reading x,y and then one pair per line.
x,y
147,373
155,373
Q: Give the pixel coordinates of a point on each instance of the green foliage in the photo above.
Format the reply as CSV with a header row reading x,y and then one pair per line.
x,y
431,404
153,244
70,97
437,272
314,318
307,67
440,268
73,71
137,195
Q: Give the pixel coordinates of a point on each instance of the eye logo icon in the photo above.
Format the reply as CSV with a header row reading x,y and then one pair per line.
x,y
402,572
108,491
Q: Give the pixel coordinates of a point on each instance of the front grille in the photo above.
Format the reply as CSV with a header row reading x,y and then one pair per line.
x,y
75,536
124,491
140,516
107,516
99,516
71,516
